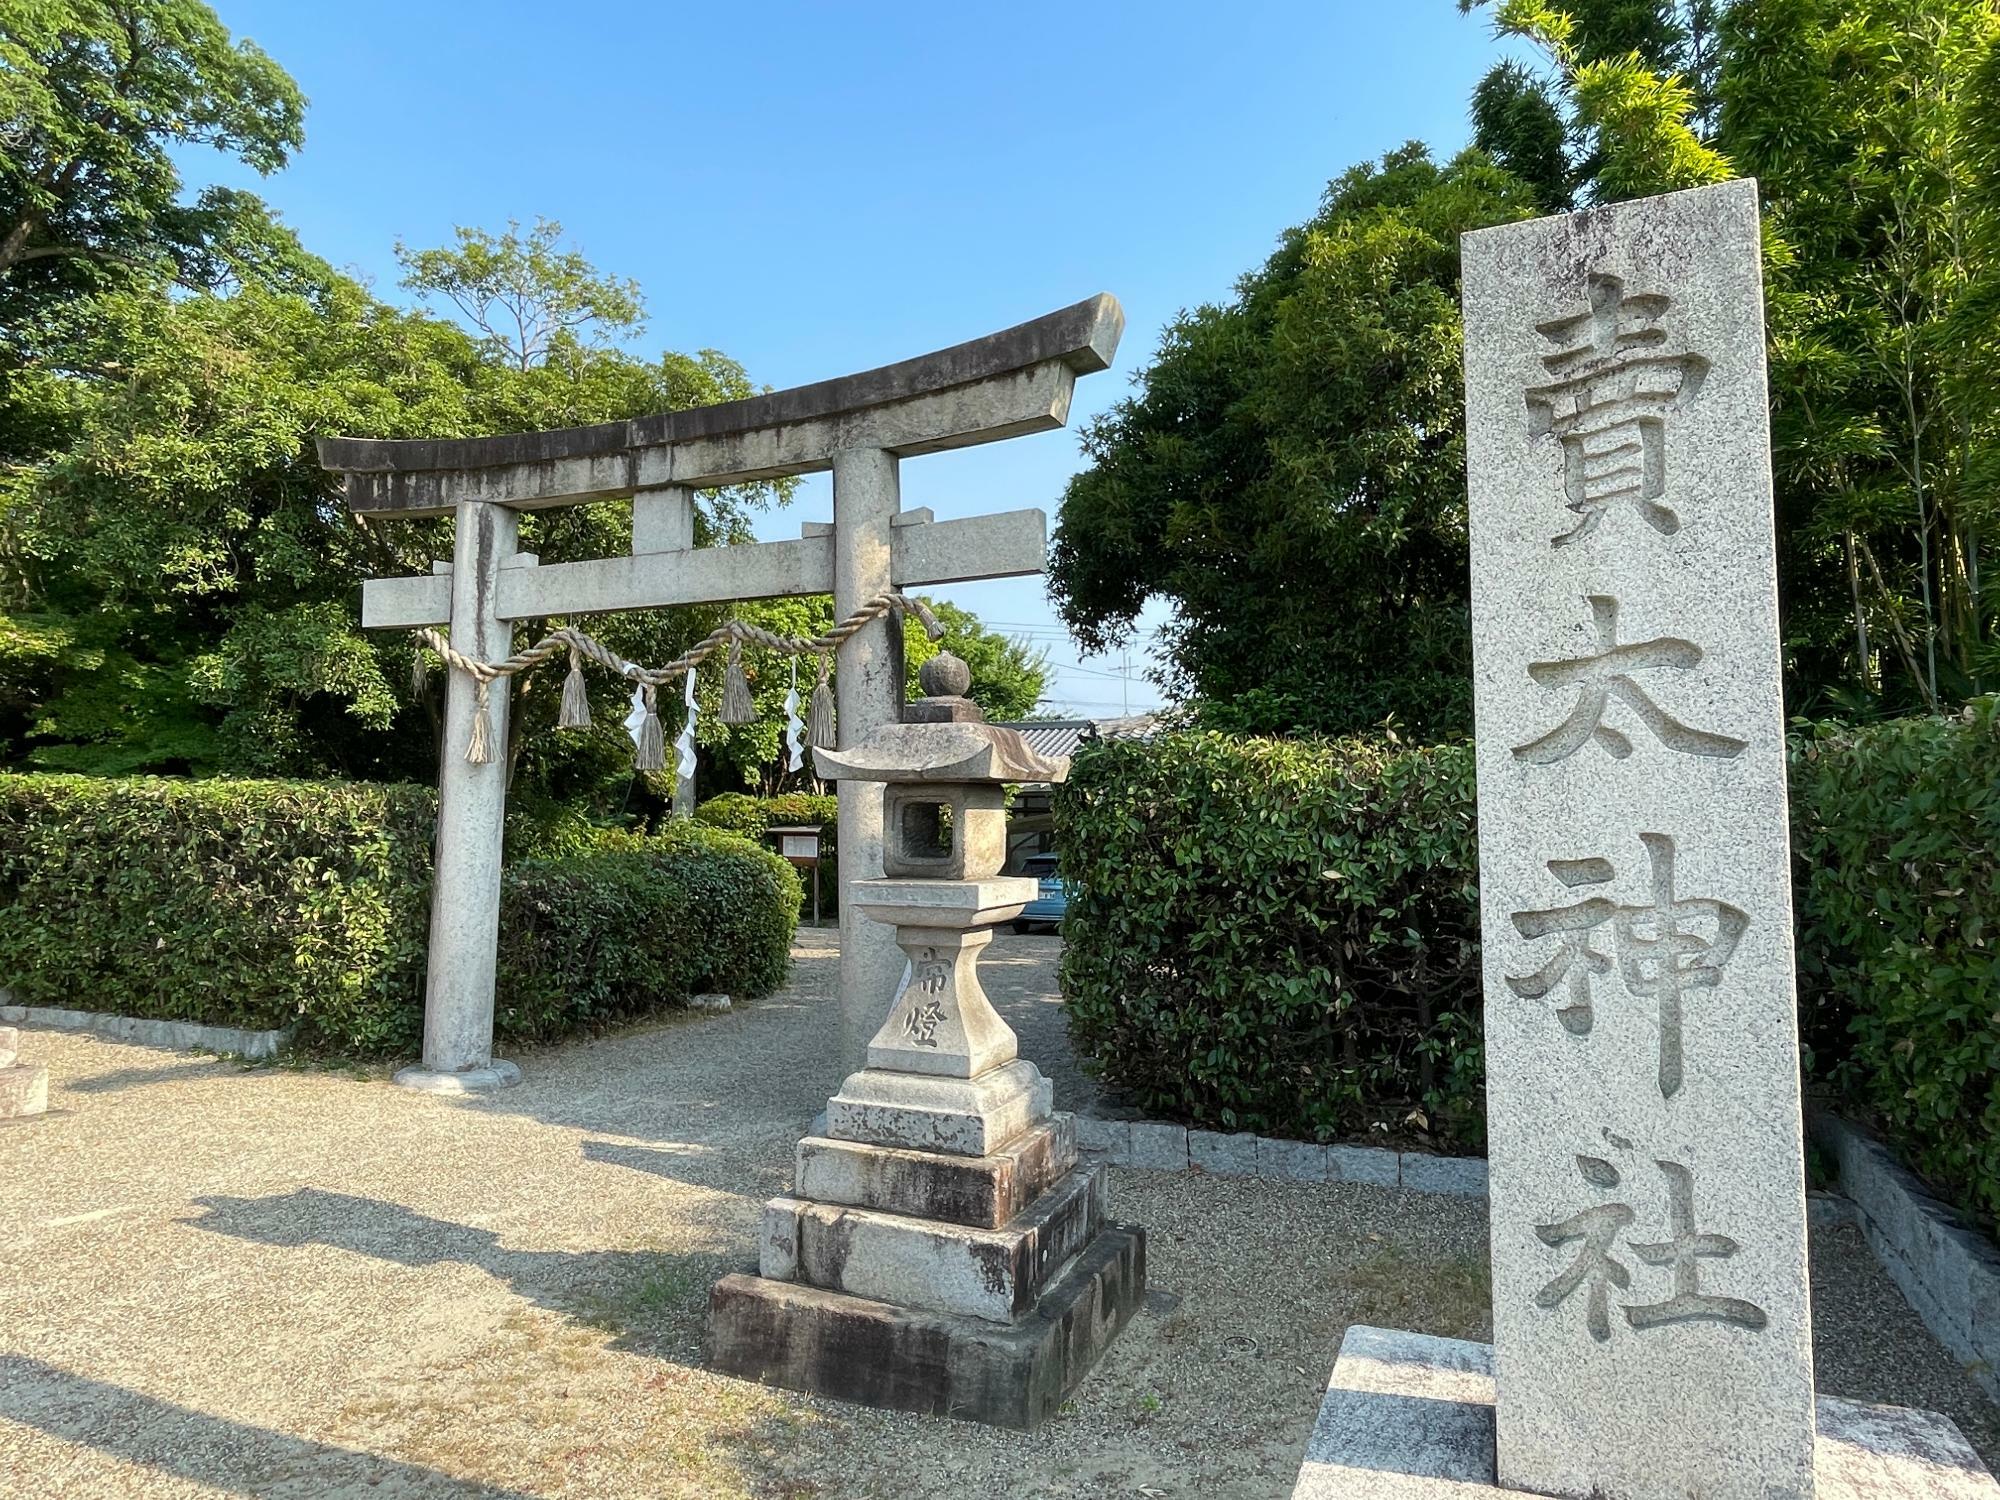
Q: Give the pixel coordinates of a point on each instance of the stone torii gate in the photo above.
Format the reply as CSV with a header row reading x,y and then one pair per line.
x,y
859,426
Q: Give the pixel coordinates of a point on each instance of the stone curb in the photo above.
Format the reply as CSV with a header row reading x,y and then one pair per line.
x,y
178,1035
1174,1148
1950,1274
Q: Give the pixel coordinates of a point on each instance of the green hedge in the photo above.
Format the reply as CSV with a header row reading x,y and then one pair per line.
x,y
739,812
616,933
264,904
1282,936
257,904
1276,936
1897,830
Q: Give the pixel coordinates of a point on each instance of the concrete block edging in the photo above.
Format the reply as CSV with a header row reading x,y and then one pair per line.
x,y
1162,1147
1948,1272
175,1035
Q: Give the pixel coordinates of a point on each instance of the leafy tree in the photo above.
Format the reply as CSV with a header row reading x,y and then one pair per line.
x,y
95,96
528,296
1872,125
1306,527
1292,473
183,576
1631,99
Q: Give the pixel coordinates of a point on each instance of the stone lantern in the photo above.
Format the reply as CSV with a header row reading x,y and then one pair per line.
x,y
944,1251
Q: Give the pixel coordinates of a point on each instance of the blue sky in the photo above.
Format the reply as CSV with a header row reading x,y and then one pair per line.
x,y
820,188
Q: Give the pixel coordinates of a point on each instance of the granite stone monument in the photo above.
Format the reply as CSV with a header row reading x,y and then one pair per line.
x,y
1652,1333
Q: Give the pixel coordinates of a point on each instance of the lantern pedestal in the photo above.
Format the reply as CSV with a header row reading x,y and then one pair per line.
x,y
981,1287
878,1354
940,1022
943,1251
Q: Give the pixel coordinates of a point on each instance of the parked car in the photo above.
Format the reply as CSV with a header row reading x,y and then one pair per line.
x,y
1047,909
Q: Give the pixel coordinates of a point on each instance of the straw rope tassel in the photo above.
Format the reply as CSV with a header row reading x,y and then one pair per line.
x,y
575,712
420,677
820,720
736,705
651,754
479,749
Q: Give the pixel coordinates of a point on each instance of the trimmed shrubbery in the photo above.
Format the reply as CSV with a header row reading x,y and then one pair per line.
x,y
236,903
1283,935
263,904
1278,936
1898,839
597,937
739,812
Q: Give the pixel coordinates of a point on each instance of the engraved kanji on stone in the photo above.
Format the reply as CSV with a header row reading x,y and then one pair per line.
x,y
926,1014
1598,1270
1607,675
1598,1228
1683,1252
1665,947
1613,386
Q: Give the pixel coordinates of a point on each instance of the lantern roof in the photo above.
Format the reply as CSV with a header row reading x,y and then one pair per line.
x,y
942,752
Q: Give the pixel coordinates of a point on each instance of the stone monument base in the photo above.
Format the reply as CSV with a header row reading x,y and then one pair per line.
x,y
1410,1417
878,1354
928,1280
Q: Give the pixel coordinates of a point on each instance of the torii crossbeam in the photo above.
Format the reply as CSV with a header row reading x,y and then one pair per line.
x,y
860,427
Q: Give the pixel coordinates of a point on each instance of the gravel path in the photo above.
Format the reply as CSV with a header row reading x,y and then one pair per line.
x,y
222,1281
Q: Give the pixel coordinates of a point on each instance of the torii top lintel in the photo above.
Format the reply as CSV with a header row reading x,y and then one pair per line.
x,y
1006,384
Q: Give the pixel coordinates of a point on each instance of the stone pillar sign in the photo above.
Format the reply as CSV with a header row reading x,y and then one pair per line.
x,y
1651,1332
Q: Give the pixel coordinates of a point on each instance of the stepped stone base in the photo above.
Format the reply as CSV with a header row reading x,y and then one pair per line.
x,y
852,1349
982,1191
954,1116
995,1274
1410,1417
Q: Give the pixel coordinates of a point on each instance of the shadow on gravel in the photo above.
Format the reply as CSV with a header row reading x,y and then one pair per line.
x,y
121,1079
233,1458
695,1166
654,1301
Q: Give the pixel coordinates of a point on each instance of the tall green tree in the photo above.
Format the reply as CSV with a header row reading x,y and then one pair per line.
x,y
1630,98
183,577
529,296
1291,475
1872,126
95,96
1330,522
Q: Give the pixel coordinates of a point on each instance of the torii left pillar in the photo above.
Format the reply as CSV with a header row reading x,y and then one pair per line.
x,y
472,809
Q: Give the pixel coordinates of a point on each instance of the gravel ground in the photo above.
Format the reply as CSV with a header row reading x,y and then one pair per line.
x,y
229,1281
